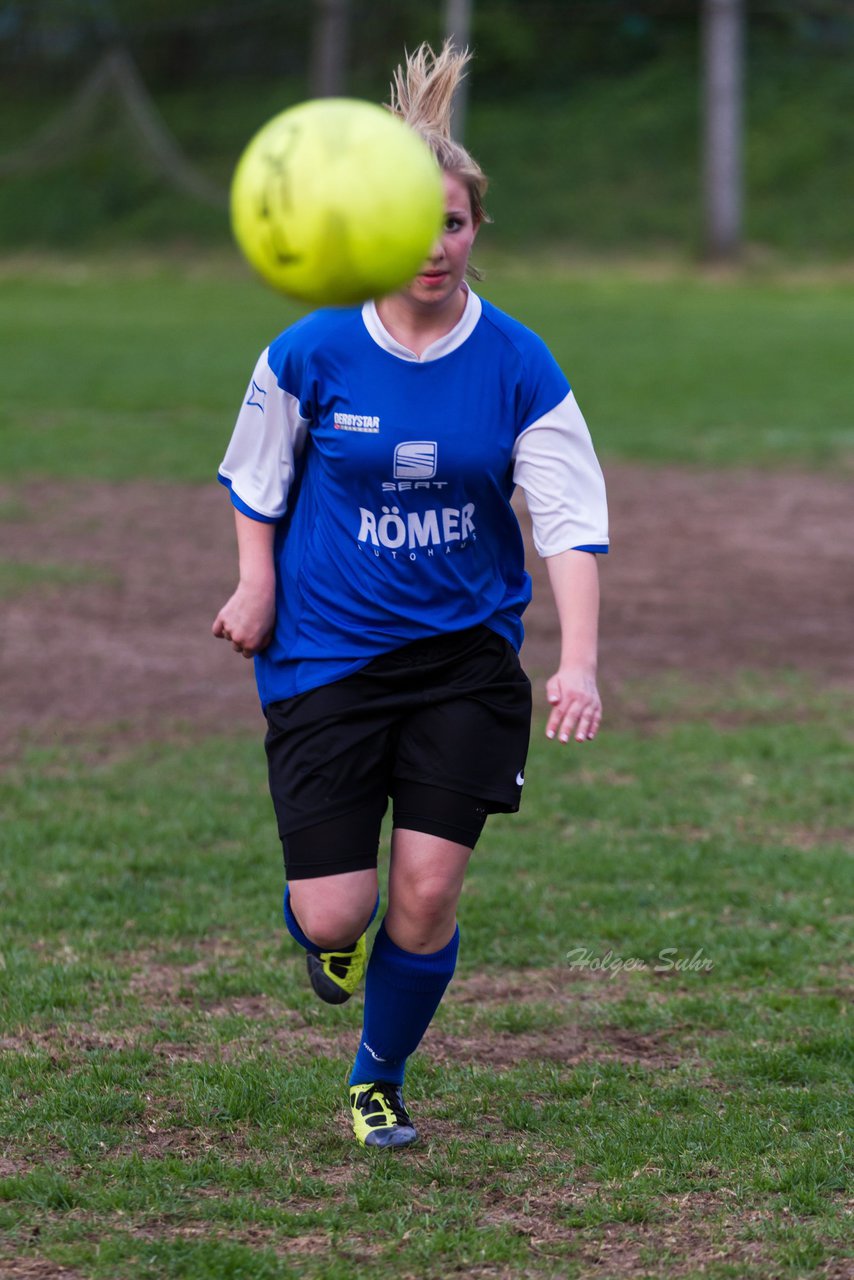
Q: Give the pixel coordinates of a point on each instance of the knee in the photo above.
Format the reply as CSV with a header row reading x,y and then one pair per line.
x,y
424,919
428,901
331,935
330,932
329,925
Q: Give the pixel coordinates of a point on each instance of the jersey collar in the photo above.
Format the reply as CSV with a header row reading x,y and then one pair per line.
x,y
441,347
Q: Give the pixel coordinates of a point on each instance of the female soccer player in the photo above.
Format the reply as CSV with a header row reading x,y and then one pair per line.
x,y
381,588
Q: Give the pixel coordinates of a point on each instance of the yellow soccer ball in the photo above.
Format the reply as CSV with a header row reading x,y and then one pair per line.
x,y
336,201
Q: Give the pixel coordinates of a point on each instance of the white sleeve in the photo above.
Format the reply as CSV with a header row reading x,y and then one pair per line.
x,y
555,465
268,437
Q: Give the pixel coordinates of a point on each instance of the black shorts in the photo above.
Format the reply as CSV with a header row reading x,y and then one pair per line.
x,y
441,725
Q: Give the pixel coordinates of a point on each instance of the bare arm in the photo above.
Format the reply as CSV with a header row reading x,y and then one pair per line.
x,y
576,707
248,616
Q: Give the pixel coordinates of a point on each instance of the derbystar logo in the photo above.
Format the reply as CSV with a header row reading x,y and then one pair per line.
x,y
356,422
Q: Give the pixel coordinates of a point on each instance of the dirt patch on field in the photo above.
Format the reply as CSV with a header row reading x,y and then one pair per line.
x,y
709,572
685,1235
557,986
294,1040
564,1046
38,1269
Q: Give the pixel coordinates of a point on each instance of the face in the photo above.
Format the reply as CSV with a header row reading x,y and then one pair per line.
x,y
442,274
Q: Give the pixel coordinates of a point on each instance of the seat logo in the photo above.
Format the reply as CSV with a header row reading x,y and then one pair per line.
x,y
415,460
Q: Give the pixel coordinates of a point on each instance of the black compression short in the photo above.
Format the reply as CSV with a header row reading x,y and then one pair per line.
x,y
351,843
441,725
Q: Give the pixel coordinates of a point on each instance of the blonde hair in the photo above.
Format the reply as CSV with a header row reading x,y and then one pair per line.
x,y
422,94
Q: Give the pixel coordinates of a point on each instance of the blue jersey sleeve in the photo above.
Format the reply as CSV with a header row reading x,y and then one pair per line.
x,y
261,460
544,384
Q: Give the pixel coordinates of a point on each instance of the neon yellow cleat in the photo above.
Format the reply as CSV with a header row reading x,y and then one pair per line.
x,y
380,1118
335,975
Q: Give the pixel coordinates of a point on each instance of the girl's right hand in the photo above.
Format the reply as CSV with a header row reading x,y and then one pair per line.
x,y
247,619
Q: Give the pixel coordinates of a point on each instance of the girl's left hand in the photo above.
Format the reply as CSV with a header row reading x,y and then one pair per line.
x,y
576,705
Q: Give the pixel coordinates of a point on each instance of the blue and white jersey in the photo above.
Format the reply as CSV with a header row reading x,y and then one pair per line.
x,y
389,478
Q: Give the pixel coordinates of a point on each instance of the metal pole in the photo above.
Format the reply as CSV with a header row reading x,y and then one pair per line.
x,y
458,29
723,90
329,48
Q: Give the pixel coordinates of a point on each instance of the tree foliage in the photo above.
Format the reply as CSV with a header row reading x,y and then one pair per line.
x,y
523,46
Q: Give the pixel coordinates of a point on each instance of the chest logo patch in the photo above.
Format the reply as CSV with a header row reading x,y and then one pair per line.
x,y
356,422
415,460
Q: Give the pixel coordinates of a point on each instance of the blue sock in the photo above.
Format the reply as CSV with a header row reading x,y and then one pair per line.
x,y
292,924
402,992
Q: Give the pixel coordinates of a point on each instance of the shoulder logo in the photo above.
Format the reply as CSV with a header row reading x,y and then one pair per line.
x,y
415,460
254,393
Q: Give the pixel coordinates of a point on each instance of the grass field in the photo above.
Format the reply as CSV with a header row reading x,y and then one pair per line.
x,y
643,1067
171,1097
148,364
